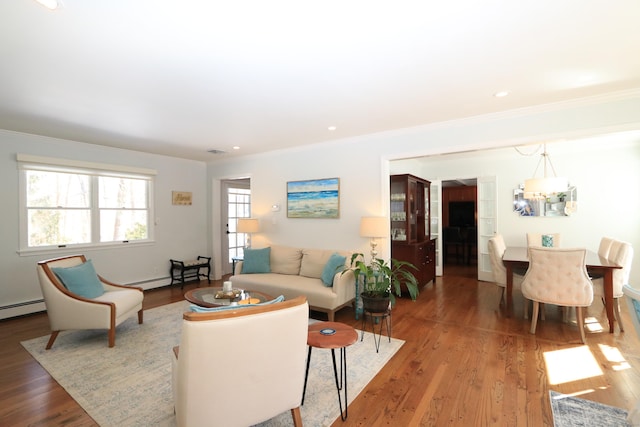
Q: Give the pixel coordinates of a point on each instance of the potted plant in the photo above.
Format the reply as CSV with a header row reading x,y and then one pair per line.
x,y
382,280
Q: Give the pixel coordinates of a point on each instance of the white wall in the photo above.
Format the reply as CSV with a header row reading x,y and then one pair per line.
x,y
180,233
362,164
605,171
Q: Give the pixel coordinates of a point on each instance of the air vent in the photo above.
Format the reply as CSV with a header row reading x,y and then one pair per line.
x,y
214,151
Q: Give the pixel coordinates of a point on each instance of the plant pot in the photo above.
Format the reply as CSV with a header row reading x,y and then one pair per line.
x,y
375,304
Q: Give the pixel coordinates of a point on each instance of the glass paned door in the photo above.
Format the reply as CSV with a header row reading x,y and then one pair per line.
x,y
487,224
238,205
436,225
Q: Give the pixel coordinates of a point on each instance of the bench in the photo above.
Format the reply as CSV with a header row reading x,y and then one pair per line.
x,y
182,270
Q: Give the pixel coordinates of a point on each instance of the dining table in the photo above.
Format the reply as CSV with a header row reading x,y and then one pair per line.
x,y
515,258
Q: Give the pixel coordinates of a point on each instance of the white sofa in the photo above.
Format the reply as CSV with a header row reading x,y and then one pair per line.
x,y
298,271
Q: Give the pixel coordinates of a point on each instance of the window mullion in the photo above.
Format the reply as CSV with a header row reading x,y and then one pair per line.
x,y
95,210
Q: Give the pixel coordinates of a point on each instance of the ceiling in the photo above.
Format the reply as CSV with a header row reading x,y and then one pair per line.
x,y
183,77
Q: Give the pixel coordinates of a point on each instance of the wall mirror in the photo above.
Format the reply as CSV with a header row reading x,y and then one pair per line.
x,y
557,204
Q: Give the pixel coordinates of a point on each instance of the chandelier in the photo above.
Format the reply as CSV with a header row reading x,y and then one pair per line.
x,y
542,187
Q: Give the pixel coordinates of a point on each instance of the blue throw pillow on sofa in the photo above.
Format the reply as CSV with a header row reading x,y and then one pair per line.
x,y
333,266
256,261
80,279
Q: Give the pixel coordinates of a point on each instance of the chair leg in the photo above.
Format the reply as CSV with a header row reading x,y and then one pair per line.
x,y
526,308
534,317
616,311
52,338
297,417
112,337
140,317
542,311
580,317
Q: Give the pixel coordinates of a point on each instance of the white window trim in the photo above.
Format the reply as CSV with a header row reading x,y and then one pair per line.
x,y
31,162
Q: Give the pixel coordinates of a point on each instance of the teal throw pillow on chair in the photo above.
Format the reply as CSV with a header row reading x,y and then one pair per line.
x,y
80,279
256,261
547,241
332,267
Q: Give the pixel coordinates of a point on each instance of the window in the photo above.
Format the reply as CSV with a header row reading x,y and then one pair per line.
x,y
64,203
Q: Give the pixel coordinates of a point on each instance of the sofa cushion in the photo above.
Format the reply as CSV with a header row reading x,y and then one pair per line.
x,y
285,260
256,261
335,264
314,260
80,279
291,286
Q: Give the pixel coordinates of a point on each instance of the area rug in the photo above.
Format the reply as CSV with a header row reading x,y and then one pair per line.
x,y
130,384
569,411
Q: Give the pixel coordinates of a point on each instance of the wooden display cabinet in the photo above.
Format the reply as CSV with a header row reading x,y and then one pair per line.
x,y
411,225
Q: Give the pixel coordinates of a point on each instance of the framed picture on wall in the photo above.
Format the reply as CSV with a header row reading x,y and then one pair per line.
x,y
315,198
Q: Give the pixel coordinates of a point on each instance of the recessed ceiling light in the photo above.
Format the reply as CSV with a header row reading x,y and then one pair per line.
x,y
235,147
332,128
49,4
501,94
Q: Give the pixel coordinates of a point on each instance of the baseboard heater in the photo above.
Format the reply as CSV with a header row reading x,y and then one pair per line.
x,y
22,308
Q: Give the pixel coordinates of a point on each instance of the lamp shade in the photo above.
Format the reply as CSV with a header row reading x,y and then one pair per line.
x,y
546,185
374,226
248,225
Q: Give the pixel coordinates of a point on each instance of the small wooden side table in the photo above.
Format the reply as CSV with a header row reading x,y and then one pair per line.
x,y
332,335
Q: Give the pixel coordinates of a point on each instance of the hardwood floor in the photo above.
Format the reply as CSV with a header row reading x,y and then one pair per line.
x,y
463,363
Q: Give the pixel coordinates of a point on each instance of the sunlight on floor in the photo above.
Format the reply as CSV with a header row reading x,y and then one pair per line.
x,y
571,364
613,355
593,325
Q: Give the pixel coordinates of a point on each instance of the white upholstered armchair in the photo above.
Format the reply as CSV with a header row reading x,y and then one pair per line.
x,y
239,367
104,308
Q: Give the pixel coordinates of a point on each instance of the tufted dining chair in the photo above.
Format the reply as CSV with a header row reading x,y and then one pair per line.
x,y
605,247
497,247
77,298
620,253
558,276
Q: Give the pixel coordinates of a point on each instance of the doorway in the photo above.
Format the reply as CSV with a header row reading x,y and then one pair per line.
x,y
459,218
235,204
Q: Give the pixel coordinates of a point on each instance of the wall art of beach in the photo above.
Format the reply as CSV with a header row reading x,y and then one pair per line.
x,y
318,198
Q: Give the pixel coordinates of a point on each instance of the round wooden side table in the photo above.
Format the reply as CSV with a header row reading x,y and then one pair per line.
x,y
332,335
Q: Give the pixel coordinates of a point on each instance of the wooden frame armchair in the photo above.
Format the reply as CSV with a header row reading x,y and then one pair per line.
x,y
69,311
239,367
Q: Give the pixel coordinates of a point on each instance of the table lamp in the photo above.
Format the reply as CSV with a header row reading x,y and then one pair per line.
x,y
374,227
248,226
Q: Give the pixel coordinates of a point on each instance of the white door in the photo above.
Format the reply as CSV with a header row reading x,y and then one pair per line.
x,y
436,224
236,203
487,224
